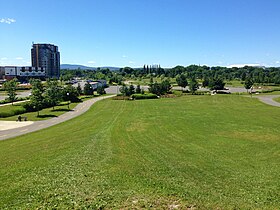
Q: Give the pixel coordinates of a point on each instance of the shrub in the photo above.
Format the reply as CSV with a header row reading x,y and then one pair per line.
x,y
9,111
121,97
144,96
28,106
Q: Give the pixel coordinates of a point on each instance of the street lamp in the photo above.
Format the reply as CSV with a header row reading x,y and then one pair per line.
x,y
68,100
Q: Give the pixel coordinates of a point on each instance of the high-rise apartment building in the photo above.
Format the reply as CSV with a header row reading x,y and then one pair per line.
x,y
48,57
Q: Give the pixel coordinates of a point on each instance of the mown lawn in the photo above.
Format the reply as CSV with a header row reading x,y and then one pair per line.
x,y
44,114
207,152
277,99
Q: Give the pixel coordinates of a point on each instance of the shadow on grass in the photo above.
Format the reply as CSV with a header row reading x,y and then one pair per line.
x,y
46,116
60,110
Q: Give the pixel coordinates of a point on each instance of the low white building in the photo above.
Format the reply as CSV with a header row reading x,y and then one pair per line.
x,y
21,72
98,83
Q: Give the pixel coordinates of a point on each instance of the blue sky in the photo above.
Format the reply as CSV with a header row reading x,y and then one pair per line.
x,y
137,32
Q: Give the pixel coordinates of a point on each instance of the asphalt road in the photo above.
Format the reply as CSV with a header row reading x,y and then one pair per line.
x,y
268,99
38,125
20,94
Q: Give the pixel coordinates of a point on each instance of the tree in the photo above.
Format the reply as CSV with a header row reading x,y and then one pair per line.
x,y
165,86
216,84
205,82
193,86
88,90
37,99
138,89
53,93
155,88
70,93
131,89
160,88
124,90
100,90
79,89
10,87
248,84
181,80
151,80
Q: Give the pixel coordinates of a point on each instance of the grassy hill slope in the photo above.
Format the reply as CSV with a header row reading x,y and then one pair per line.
x,y
195,151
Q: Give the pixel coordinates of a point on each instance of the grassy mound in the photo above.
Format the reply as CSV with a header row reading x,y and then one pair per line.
x,y
208,152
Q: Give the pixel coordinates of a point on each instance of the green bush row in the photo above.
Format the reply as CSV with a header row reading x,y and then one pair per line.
x,y
144,96
11,111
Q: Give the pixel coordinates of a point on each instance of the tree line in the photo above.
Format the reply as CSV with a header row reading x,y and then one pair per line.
x,y
259,75
49,94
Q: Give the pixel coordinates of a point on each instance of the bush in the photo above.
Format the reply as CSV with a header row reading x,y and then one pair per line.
x,y
144,96
28,106
121,97
9,111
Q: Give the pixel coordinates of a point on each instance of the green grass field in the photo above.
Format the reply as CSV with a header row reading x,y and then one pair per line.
x,y
277,99
207,152
44,114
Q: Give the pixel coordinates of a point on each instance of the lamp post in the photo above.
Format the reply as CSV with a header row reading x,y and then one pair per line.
x,y
68,100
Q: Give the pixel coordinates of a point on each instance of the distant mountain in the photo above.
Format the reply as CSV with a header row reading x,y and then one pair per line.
x,y
76,66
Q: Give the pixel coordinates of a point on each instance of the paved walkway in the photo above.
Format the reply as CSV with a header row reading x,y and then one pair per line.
x,y
268,99
17,102
21,128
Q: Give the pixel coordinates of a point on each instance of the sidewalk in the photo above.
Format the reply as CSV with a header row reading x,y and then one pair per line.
x,y
16,129
268,99
17,102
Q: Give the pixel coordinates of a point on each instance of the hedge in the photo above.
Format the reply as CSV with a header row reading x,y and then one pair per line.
x,y
144,96
8,111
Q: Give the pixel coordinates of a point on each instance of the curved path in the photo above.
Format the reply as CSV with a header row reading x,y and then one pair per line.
x,y
268,99
38,125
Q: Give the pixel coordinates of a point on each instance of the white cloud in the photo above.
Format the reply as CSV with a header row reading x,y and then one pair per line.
x,y
91,62
277,62
124,56
131,62
19,58
4,58
7,20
